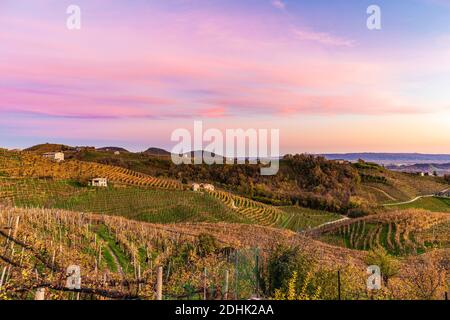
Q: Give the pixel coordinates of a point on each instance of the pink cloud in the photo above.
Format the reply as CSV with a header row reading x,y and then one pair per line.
x,y
323,38
220,66
279,4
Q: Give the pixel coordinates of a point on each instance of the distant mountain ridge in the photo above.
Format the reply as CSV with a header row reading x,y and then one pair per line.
x,y
157,152
439,168
391,158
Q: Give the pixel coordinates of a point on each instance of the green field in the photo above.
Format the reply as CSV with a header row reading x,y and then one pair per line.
x,y
436,204
303,218
158,206
151,205
144,204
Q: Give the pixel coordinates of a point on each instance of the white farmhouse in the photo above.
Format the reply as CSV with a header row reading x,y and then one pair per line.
x,y
202,186
208,187
99,182
56,156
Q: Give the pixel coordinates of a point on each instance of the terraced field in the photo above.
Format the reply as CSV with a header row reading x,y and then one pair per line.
x,y
32,192
435,204
253,211
118,257
385,186
304,218
23,164
152,205
57,188
400,232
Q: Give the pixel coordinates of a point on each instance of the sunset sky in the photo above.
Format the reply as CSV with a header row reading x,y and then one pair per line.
x,y
138,69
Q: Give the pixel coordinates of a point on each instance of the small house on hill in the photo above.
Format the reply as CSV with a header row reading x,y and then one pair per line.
x,y
341,161
99,182
56,156
202,186
208,187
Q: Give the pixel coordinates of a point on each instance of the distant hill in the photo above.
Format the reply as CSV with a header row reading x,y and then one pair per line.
x,y
439,168
391,158
202,153
49,147
112,149
157,152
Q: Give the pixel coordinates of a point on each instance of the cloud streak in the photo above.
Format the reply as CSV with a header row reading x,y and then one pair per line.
x,y
323,38
279,4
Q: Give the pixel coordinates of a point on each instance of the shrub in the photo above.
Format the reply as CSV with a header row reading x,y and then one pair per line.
x,y
388,265
207,244
283,264
357,212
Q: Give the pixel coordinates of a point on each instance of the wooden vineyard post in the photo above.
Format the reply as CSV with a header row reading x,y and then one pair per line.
x,y
339,284
159,279
257,272
225,288
236,293
40,294
2,277
204,284
139,278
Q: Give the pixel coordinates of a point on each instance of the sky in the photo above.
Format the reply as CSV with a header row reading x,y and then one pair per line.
x,y
139,69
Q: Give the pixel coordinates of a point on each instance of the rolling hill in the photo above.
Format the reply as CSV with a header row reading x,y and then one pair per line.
x,y
50,218
380,185
31,180
399,232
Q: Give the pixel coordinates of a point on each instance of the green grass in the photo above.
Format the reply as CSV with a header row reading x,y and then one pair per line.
x,y
299,218
151,205
122,258
157,206
436,204
34,192
143,204
108,258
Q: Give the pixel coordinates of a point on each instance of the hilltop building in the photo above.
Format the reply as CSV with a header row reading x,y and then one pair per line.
x,y
208,187
341,161
202,186
56,156
99,182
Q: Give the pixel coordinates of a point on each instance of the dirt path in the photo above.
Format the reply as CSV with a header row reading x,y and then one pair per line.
x,y
116,261
326,224
412,200
383,192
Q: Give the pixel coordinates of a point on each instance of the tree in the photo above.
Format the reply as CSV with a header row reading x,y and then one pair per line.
x,y
447,178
